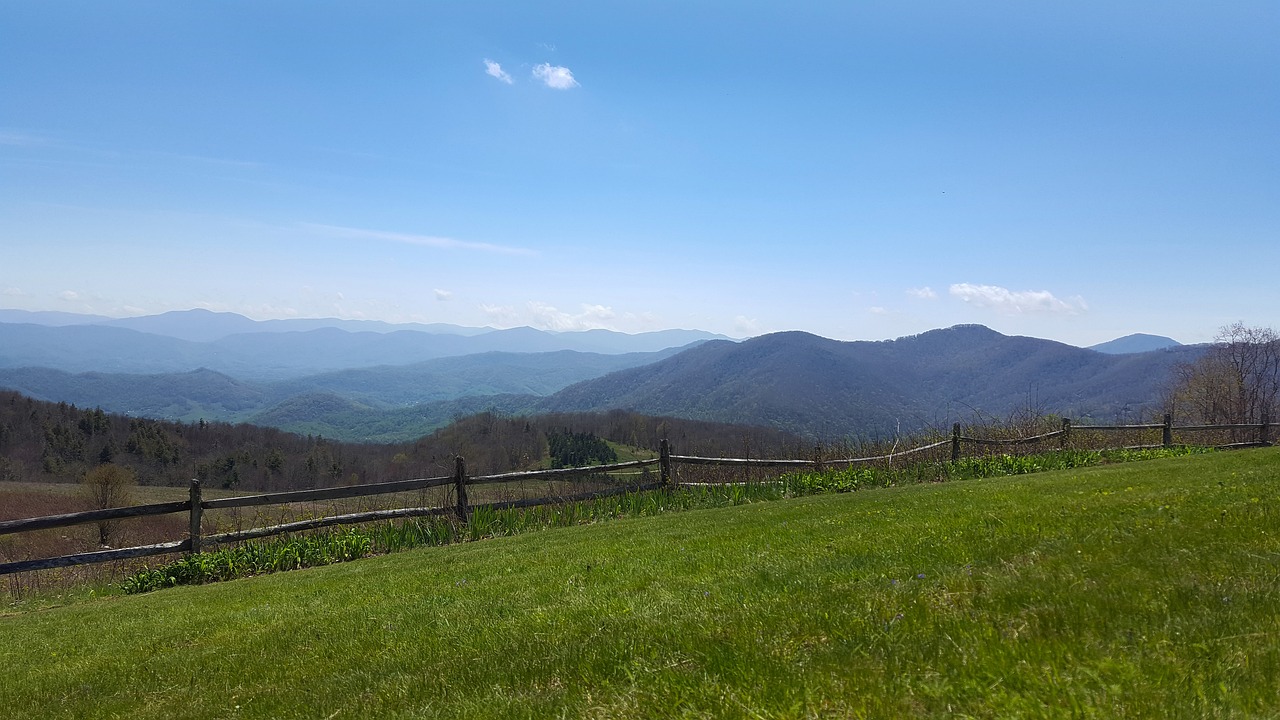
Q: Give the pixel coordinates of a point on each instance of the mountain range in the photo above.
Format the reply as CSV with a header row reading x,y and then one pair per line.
x,y
182,341
376,382
831,389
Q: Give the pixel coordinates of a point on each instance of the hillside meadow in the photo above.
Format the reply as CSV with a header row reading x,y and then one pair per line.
x,y
1147,589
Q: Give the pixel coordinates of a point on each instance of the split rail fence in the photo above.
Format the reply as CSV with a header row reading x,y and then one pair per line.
x,y
195,505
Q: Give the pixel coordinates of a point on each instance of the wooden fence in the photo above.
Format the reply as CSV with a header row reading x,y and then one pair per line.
x,y
195,505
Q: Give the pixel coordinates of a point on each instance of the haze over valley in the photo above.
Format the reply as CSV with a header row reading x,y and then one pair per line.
x,y
348,382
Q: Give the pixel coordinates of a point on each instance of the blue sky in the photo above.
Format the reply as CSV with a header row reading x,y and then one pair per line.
x,y
861,170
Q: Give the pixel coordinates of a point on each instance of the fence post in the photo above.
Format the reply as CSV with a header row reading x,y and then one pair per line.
x,y
664,461
955,442
1264,434
817,458
460,488
1065,438
196,512
1167,437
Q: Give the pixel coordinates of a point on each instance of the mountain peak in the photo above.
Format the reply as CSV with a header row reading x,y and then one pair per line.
x,y
1135,343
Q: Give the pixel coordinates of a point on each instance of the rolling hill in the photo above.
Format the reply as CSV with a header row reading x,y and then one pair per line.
x,y
375,386
415,398
826,388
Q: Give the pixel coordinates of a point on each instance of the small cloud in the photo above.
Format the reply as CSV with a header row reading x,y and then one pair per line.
x,y
443,295
924,293
743,325
592,317
69,296
432,241
555,76
20,139
15,292
502,315
877,310
1009,302
493,69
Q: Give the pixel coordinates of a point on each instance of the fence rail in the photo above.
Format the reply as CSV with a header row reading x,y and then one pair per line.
x,y
460,480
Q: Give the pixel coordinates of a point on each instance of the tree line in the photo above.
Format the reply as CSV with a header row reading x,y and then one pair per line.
x,y
59,442
1236,382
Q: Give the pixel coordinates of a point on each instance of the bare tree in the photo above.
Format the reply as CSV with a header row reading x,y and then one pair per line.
x,y
1236,381
107,486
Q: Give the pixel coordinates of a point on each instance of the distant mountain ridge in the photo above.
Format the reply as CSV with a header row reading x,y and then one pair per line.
x,y
274,350
211,395
1135,343
826,388
392,384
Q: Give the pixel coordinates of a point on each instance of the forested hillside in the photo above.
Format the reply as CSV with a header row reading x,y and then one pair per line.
x,y
58,442
831,390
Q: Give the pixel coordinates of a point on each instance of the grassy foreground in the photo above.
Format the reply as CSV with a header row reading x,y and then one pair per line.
x,y
1137,590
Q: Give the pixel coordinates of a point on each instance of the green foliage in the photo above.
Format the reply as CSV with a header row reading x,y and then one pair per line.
x,y
578,449
151,441
253,558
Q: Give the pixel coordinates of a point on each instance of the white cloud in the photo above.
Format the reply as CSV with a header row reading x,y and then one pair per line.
x,y
15,292
1009,302
443,295
493,69
592,317
745,326
69,295
877,310
555,76
432,241
20,139
502,315
924,293
546,316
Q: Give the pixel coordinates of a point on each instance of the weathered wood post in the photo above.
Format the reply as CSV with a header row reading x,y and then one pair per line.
x,y
1167,435
1264,432
1065,438
460,488
664,462
817,458
955,442
196,513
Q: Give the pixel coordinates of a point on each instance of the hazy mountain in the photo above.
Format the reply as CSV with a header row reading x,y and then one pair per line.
x,y
341,418
207,326
210,395
1135,343
50,318
388,385
93,348
173,396
826,388
265,354
493,373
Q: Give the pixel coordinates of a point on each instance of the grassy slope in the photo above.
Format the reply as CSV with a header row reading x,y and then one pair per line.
x,y
1141,590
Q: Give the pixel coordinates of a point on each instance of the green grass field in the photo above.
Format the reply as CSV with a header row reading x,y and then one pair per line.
x,y
1147,589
